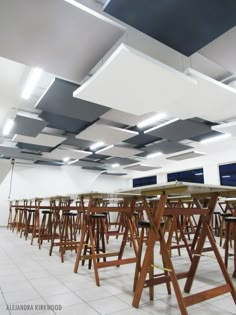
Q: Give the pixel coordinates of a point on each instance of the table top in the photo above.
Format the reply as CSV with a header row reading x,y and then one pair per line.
x,y
174,189
182,189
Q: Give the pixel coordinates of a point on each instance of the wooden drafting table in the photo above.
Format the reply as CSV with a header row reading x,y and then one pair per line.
x,y
197,192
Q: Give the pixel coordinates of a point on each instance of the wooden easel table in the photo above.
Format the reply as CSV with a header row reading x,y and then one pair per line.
x,y
90,204
197,192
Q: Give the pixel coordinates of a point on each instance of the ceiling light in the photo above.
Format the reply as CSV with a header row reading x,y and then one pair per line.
x,y
198,174
72,162
8,126
161,125
96,145
31,82
225,176
104,149
115,165
151,120
66,159
217,138
150,156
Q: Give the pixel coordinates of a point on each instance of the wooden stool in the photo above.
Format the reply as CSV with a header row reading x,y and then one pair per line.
x,y
21,220
95,237
30,222
36,227
68,240
222,225
45,230
230,231
57,221
15,218
144,225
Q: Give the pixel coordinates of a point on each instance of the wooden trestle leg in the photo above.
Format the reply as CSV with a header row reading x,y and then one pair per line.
x,y
156,234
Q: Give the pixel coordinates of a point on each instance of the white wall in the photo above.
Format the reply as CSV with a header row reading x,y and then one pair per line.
x,y
41,181
210,164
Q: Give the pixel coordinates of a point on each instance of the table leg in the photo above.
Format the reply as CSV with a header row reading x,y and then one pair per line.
x,y
200,243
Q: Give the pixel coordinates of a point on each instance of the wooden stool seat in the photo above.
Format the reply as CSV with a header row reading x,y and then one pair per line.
x,y
97,216
144,223
46,212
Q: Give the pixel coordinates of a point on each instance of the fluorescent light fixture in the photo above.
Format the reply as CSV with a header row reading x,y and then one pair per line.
x,y
161,125
66,159
96,145
225,176
198,174
72,162
151,120
8,127
150,156
104,149
217,138
31,82
115,165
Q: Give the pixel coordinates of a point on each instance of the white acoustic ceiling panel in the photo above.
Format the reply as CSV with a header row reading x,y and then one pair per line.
x,y
211,100
55,35
122,152
40,139
222,50
125,118
133,82
107,134
226,128
60,154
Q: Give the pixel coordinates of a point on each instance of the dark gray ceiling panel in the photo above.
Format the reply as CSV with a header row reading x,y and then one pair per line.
x,y
206,135
180,130
93,168
59,100
51,163
33,147
64,123
89,164
95,157
166,147
121,161
28,126
115,174
142,139
15,153
185,26
79,143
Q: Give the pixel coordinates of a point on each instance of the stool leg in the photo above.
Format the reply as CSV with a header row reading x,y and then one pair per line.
x,y
138,262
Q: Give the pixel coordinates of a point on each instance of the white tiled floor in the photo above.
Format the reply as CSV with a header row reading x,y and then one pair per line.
x,y
28,276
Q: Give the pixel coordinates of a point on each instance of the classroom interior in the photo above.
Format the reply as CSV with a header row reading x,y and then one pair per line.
x,y
117,157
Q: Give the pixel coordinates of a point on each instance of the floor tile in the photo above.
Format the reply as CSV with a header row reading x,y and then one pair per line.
x,y
77,309
66,299
108,305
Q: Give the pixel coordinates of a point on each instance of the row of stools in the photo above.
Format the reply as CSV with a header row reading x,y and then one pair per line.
x,y
61,227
